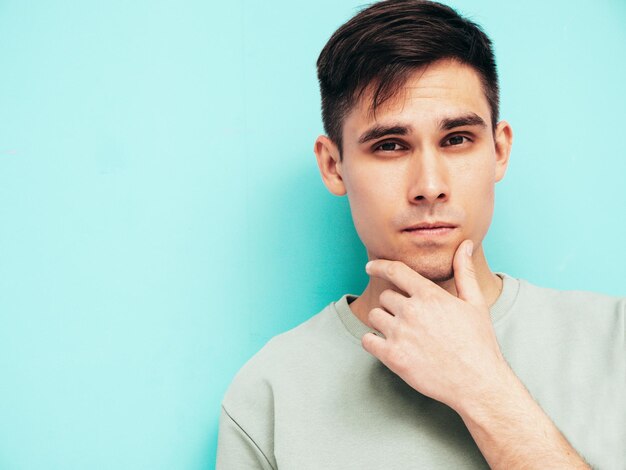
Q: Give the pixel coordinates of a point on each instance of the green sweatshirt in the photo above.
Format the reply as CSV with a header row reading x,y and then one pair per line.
x,y
312,398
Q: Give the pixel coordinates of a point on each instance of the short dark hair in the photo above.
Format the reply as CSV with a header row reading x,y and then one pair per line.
x,y
383,44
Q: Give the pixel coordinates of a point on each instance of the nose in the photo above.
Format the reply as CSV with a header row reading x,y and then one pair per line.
x,y
429,179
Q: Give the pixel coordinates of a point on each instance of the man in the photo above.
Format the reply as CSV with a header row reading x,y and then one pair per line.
x,y
439,363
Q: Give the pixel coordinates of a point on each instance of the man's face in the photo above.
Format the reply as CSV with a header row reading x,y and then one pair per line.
x,y
420,173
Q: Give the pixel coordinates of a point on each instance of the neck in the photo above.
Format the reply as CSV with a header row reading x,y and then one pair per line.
x,y
490,285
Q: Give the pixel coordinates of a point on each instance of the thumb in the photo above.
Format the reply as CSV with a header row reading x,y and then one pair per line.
x,y
465,278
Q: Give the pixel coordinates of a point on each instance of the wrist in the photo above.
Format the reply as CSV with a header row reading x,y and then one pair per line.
x,y
500,389
506,414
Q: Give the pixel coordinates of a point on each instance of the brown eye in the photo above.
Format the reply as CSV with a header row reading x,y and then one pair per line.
x,y
388,146
455,140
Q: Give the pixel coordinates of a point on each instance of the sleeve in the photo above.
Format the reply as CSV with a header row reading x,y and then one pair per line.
x,y
236,450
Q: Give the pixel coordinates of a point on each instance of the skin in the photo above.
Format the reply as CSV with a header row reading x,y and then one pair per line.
x,y
430,288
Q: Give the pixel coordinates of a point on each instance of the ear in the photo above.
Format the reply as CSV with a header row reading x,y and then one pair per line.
x,y
329,163
503,141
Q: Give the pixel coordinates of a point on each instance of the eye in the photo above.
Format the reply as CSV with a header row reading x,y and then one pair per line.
x,y
388,147
455,140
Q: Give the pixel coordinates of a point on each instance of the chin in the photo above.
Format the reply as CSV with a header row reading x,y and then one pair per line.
x,y
432,262
438,269
435,274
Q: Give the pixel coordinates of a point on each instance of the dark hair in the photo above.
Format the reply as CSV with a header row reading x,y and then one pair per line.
x,y
382,45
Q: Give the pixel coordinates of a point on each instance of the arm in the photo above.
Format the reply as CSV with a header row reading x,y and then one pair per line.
x,y
512,431
236,450
445,347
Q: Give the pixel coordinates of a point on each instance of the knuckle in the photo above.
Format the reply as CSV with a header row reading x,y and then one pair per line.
x,y
397,358
373,315
411,309
471,272
431,294
385,296
391,269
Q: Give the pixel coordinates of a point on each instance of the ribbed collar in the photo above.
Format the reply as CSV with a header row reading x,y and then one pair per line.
x,y
510,289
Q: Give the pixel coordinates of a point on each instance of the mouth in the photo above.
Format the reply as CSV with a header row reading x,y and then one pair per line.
x,y
431,229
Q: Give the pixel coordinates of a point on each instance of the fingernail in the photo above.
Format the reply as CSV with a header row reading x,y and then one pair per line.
x,y
367,266
469,248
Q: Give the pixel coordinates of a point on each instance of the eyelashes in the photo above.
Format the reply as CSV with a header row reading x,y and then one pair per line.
x,y
459,139
393,146
389,146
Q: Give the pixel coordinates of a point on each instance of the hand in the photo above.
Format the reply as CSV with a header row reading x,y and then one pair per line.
x,y
441,345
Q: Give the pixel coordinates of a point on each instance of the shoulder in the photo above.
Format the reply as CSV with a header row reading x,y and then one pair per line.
x,y
273,374
579,300
579,309
283,356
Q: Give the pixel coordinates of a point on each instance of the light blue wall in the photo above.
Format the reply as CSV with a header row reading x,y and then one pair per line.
x,y
161,215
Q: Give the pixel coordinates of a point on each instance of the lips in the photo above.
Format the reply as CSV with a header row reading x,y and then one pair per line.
x,y
429,226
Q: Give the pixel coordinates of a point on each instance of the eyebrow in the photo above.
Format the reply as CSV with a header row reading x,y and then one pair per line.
x,y
378,131
470,119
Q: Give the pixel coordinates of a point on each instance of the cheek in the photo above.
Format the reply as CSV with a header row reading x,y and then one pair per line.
x,y
372,198
479,202
487,208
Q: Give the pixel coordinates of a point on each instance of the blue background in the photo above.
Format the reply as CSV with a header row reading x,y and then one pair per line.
x,y
162,215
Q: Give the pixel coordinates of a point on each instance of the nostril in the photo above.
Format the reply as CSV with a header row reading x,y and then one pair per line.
x,y
421,197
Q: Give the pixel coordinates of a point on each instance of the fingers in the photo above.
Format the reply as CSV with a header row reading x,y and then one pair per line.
x,y
374,345
392,301
465,278
380,320
398,273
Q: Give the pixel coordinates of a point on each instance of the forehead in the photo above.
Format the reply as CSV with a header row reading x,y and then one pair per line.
x,y
443,89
